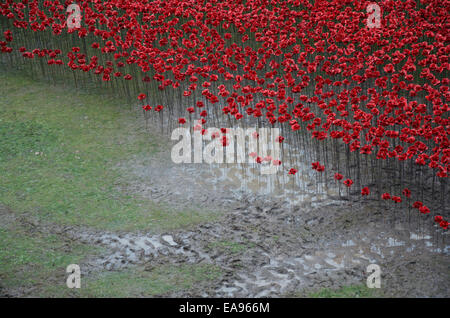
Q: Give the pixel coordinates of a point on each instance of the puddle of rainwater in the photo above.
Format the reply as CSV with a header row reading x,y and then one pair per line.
x,y
348,243
414,236
392,242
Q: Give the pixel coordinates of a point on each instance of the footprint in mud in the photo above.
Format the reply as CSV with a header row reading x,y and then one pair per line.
x,y
132,249
334,266
263,270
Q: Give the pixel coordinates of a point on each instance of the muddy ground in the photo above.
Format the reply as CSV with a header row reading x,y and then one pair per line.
x,y
268,242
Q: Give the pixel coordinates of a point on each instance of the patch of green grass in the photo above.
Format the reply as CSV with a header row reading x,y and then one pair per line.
x,y
352,291
229,246
59,149
27,260
19,137
139,283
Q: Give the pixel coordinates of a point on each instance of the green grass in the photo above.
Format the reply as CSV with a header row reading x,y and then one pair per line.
x,y
140,283
352,291
37,262
17,137
228,246
31,260
58,151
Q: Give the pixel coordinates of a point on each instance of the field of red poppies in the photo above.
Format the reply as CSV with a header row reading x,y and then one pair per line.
x,y
361,88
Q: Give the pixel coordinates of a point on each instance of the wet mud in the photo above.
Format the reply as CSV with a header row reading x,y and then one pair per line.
x,y
271,242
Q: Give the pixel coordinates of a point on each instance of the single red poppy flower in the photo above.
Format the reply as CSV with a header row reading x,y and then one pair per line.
x,y
406,192
348,182
396,199
417,204
424,209
365,191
